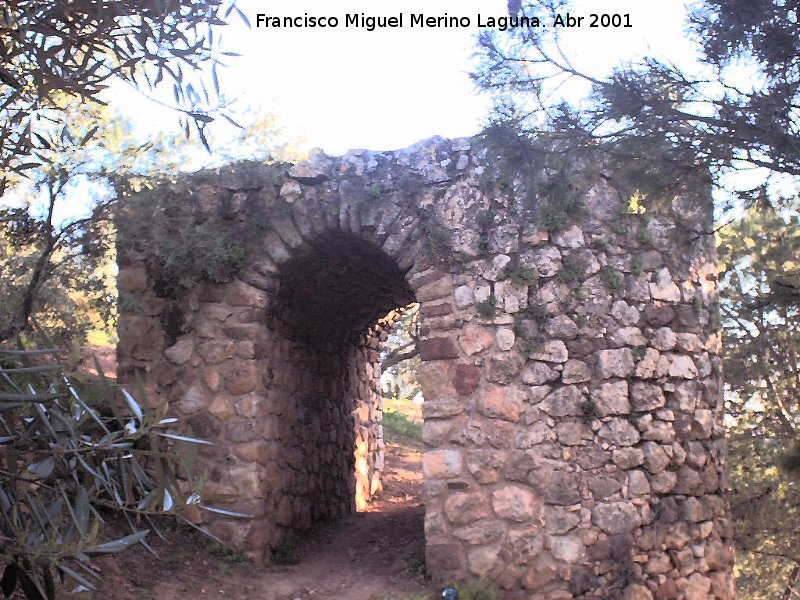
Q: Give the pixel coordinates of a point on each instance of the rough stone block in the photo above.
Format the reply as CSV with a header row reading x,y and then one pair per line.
x,y
466,378
437,348
614,363
466,507
502,402
515,503
442,464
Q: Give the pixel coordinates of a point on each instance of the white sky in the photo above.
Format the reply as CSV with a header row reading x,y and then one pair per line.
x,y
348,88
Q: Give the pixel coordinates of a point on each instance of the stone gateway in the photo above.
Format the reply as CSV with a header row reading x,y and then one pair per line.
x,y
570,367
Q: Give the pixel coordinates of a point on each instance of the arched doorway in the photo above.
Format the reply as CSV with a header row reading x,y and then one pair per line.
x,y
570,375
328,312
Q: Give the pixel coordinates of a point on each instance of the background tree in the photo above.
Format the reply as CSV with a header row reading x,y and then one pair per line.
x,y
761,322
56,233
400,362
56,230
50,49
734,110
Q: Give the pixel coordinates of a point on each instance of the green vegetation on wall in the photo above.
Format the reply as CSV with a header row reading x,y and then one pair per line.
x,y
183,240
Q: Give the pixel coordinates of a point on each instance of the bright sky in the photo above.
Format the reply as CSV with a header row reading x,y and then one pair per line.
x,y
350,88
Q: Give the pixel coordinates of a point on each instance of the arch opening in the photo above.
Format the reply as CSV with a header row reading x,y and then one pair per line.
x,y
336,299
332,290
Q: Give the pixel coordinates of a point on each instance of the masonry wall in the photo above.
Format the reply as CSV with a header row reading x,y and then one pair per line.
x,y
571,377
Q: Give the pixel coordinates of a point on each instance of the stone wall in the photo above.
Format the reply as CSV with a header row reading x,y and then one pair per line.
x,y
571,377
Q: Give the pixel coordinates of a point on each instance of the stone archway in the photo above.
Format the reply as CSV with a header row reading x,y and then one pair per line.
x,y
572,413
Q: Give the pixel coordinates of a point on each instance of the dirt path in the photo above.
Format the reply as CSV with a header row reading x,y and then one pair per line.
x,y
376,555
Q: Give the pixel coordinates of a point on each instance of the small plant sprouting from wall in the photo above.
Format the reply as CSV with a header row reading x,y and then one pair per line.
x,y
619,226
559,210
552,179
601,244
571,270
487,307
553,218
485,223
714,313
437,237
533,345
636,266
611,278
624,572
183,242
521,273
538,312
458,261
644,237
589,411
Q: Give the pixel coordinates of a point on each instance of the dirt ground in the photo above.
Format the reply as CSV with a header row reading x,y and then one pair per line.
x,y
375,555
106,356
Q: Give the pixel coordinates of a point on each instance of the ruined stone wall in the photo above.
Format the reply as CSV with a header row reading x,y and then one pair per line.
x,y
571,377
